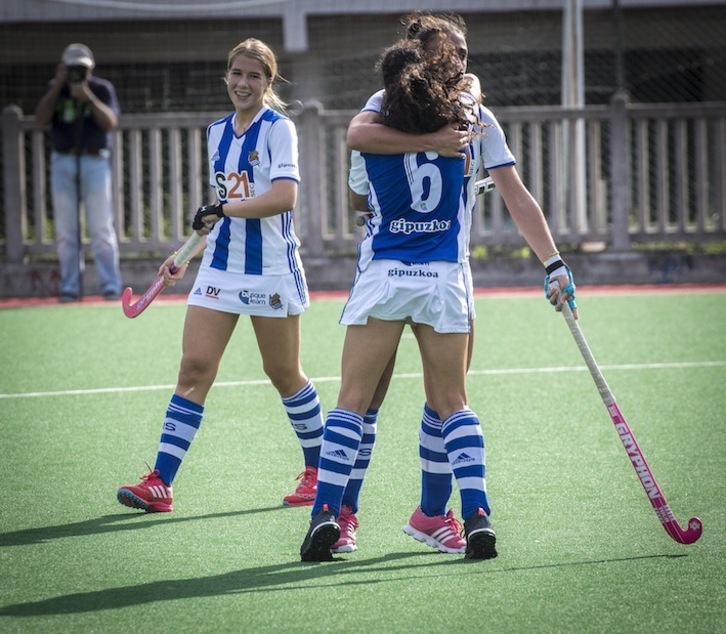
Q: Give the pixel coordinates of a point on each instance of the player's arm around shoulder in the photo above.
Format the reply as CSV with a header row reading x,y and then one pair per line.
x,y
367,134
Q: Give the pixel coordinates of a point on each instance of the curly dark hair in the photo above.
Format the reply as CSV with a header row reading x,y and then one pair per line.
x,y
431,28
422,90
419,21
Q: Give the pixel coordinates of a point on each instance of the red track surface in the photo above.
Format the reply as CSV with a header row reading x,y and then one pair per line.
x,y
509,291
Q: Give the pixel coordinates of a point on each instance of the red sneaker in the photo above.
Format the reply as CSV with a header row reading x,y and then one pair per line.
x,y
304,494
348,522
150,495
442,532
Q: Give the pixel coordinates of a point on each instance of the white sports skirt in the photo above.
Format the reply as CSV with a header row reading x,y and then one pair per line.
x,y
438,294
260,295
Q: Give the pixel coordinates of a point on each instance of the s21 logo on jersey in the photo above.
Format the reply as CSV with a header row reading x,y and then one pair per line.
x,y
233,186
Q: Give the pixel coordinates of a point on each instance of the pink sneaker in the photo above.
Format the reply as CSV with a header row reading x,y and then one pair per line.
x,y
348,522
150,495
441,531
304,494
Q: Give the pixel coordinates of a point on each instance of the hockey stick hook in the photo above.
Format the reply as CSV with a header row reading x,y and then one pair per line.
x,y
132,310
693,531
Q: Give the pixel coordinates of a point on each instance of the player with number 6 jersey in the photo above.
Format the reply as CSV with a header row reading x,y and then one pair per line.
x,y
424,192
411,270
430,522
487,149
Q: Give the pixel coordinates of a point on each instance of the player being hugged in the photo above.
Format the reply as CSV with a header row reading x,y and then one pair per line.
x,y
251,266
483,145
411,269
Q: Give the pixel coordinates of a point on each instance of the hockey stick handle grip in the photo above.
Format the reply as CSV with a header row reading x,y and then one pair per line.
x,y
579,337
184,254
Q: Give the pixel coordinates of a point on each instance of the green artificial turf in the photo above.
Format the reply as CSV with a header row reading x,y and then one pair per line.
x,y
83,391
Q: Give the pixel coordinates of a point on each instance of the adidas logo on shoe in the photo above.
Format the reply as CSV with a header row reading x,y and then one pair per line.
x,y
151,494
442,532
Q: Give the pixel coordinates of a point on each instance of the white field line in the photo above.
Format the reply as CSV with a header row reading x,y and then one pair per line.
x,y
414,375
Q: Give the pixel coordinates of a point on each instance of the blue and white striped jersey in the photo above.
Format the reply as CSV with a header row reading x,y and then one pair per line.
x,y
243,167
418,209
489,150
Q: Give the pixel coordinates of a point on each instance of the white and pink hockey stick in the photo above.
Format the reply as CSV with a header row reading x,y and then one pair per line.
x,y
647,479
138,307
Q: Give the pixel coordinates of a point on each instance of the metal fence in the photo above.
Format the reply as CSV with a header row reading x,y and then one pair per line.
x,y
620,174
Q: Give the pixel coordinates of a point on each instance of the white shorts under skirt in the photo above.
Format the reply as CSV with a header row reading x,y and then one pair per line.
x,y
260,295
438,294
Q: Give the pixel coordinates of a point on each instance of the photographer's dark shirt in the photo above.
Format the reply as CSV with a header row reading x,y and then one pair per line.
x,y
69,133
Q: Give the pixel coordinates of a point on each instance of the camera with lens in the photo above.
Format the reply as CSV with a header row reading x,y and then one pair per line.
x,y
77,73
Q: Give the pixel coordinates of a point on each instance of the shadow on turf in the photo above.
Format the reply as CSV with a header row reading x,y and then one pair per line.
x,y
293,576
110,524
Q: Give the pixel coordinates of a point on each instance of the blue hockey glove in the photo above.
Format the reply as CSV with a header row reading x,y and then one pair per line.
x,y
558,269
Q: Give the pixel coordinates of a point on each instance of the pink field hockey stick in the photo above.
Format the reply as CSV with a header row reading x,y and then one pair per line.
x,y
637,459
138,307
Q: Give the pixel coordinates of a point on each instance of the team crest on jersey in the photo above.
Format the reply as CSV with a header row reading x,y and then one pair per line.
x,y
275,301
253,158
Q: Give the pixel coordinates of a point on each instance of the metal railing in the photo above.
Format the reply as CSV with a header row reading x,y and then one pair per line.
x,y
617,175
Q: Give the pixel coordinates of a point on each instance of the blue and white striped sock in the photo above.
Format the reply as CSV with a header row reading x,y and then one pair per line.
x,y
183,418
351,496
436,480
464,443
306,417
341,440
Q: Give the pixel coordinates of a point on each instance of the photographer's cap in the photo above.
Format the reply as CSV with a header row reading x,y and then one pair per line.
x,y
78,55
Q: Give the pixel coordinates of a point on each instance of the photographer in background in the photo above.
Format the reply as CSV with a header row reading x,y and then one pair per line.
x,y
82,110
